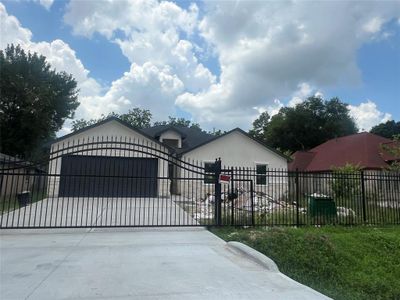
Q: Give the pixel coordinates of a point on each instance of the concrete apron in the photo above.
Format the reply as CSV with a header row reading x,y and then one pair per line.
x,y
97,211
137,263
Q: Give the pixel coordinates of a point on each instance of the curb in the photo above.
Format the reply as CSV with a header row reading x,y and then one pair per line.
x,y
269,264
254,255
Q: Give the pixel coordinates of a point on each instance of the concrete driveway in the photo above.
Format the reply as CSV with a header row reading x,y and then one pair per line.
x,y
98,211
162,263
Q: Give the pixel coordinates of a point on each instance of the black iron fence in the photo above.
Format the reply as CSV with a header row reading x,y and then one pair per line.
x,y
102,183
305,198
121,183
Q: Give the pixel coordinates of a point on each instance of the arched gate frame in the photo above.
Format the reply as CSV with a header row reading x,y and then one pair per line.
x,y
106,182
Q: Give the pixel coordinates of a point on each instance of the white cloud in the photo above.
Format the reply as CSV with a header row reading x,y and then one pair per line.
x,y
374,25
58,53
143,86
63,58
271,109
367,115
46,3
154,36
304,91
319,94
11,30
266,50
130,17
269,53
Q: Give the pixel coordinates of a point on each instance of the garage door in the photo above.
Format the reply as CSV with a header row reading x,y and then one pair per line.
x,y
102,176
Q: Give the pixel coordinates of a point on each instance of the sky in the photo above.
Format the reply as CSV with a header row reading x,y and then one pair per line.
x,y
217,63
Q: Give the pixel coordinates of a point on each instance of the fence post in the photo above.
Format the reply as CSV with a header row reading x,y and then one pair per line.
x,y
233,200
297,197
252,203
363,197
217,170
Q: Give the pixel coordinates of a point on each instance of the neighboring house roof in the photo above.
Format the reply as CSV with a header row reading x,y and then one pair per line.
x,y
7,162
363,149
7,159
301,160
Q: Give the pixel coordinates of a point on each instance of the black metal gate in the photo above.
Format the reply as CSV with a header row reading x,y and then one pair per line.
x,y
105,183
122,183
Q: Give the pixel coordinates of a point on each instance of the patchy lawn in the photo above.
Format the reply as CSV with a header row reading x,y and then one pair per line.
x,y
340,262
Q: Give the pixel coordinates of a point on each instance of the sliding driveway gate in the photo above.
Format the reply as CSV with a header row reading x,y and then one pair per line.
x,y
104,183
122,183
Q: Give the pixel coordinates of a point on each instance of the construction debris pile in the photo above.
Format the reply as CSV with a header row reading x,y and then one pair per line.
x,y
263,203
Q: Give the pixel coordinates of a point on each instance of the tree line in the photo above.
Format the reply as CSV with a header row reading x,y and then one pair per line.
x,y
35,101
136,117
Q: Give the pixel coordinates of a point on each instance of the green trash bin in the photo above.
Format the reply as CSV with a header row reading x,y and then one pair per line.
x,y
321,206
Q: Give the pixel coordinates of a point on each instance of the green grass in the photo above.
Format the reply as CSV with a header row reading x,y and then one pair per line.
x,y
340,262
10,203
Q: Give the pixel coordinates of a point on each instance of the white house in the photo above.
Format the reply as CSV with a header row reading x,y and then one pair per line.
x,y
113,157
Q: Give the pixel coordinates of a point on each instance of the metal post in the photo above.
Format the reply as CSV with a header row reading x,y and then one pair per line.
x,y
363,197
252,203
217,170
297,198
233,200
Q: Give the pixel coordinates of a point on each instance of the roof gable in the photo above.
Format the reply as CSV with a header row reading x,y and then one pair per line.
x,y
191,137
243,133
108,120
168,128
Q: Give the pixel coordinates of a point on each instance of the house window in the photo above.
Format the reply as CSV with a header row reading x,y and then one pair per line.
x,y
171,142
261,173
209,172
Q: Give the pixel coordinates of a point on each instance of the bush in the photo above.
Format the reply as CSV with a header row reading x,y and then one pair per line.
x,y
346,181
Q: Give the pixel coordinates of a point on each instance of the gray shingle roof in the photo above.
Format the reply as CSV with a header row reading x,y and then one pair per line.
x,y
191,137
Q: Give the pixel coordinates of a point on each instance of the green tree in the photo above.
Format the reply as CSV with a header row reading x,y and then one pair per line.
x,y
306,125
387,130
217,132
35,100
260,126
179,122
139,118
394,150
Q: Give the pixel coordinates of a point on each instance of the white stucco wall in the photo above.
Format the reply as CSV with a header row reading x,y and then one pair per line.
x,y
237,150
109,131
173,135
